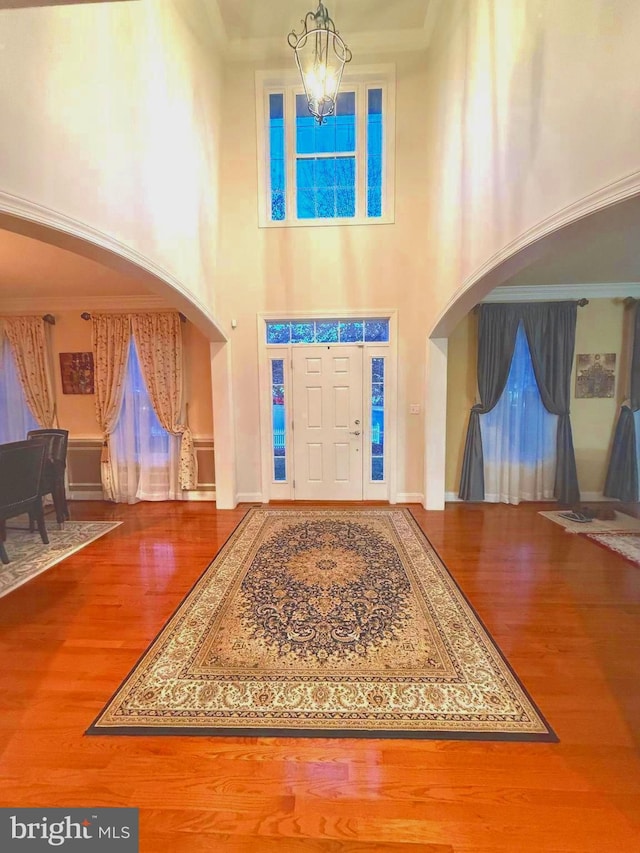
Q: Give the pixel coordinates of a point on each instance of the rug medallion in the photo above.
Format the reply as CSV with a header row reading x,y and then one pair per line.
x,y
325,622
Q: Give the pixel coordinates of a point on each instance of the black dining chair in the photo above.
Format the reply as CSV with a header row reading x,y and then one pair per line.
x,y
54,468
21,467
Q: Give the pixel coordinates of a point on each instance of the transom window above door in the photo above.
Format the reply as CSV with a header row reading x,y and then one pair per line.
x,y
327,331
337,173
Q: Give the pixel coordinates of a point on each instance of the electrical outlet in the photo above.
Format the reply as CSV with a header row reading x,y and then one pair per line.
x,y
414,409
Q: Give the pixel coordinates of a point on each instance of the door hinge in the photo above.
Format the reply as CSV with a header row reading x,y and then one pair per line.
x,y
294,484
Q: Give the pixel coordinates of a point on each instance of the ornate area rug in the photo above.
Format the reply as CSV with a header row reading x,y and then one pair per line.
x,y
325,622
30,557
625,544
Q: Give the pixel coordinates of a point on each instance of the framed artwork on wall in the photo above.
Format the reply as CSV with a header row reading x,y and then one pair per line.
x,y
595,374
76,370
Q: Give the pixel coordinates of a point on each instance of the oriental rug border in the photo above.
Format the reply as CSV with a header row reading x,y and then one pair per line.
x,y
321,622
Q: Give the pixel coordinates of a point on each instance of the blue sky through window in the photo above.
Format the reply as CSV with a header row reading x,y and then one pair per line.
x,y
325,184
374,152
277,156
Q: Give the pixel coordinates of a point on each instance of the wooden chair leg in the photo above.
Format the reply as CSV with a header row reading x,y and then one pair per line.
x,y
58,503
38,512
3,535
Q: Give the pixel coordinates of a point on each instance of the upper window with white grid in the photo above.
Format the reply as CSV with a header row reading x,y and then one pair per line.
x,y
340,172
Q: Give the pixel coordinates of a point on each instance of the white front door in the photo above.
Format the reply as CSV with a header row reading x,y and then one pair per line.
x,y
327,422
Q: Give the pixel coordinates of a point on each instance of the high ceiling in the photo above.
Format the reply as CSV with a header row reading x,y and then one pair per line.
x,y
602,248
247,19
246,29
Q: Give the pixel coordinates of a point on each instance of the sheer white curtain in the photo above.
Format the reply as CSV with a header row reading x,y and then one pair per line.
x,y
16,418
519,437
144,455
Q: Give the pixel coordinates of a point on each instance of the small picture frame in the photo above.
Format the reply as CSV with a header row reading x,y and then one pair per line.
x,y
76,370
595,375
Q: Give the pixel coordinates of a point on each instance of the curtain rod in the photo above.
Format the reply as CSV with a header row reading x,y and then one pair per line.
x,y
581,303
86,316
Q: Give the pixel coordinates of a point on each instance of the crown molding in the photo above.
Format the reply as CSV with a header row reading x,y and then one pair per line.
x,y
120,304
554,292
363,43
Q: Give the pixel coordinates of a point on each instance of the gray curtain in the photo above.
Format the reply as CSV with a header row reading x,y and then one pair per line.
x,y
550,329
622,474
497,328
551,333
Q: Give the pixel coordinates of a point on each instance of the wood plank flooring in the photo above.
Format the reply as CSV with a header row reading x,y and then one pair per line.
x,y
564,611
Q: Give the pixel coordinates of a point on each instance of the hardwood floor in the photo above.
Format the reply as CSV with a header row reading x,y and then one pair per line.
x,y
565,612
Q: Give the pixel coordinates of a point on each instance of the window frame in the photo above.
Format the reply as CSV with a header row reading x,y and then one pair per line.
x,y
358,79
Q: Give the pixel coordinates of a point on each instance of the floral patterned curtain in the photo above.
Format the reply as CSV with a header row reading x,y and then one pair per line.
x,y
111,334
28,341
158,338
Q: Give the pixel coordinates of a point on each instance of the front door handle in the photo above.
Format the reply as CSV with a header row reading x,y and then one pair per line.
x,y
357,432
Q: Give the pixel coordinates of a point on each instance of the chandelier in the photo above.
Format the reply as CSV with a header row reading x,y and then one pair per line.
x,y
321,55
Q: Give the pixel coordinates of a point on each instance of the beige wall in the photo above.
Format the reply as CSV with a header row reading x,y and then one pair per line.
x,y
357,267
76,412
461,394
523,106
111,119
599,329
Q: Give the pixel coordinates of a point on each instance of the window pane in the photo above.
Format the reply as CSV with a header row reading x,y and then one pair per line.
x,y
277,156
377,419
374,152
376,330
327,332
326,203
302,333
336,133
326,187
278,208
16,418
278,333
351,332
345,203
278,412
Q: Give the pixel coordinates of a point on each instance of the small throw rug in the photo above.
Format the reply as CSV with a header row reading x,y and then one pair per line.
x,y
325,622
29,557
625,544
621,523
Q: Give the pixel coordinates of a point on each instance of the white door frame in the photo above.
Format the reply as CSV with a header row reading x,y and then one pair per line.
x,y
372,491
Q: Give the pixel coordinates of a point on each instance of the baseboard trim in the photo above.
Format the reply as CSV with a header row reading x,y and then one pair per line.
x,y
250,498
88,495
199,495
452,497
97,495
409,498
595,496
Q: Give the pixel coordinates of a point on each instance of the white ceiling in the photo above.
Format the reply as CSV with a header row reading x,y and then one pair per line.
x,y
248,29
247,19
